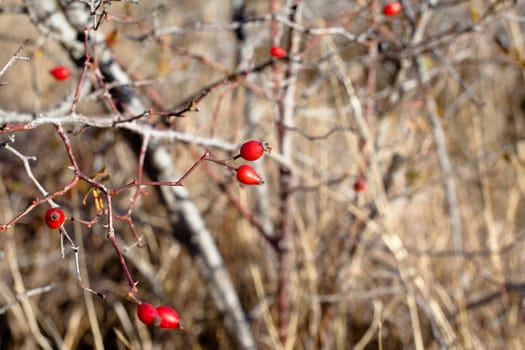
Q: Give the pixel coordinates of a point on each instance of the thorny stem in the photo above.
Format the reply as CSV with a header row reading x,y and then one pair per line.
x,y
101,81
27,294
62,230
27,168
245,212
76,98
38,202
138,192
75,249
180,182
107,195
14,58
111,237
47,197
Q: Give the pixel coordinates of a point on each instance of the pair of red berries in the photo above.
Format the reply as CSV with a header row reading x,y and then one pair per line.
x,y
251,150
162,316
60,73
54,217
392,9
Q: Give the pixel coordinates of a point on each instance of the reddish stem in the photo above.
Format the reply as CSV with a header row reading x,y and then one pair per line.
x,y
76,98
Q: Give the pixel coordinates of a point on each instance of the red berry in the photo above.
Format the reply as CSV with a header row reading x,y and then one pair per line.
x,y
278,52
55,217
252,150
60,72
392,8
246,175
148,314
169,318
360,185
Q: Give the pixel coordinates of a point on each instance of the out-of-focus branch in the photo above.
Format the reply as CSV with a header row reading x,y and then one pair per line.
x,y
446,168
284,227
27,294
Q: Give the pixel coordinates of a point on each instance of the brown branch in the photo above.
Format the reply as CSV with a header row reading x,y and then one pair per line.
x,y
284,227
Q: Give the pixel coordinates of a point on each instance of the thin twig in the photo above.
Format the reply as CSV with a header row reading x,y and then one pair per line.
x,y
14,58
27,294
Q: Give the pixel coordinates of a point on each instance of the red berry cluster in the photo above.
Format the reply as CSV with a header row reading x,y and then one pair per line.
x,y
54,217
251,150
162,316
